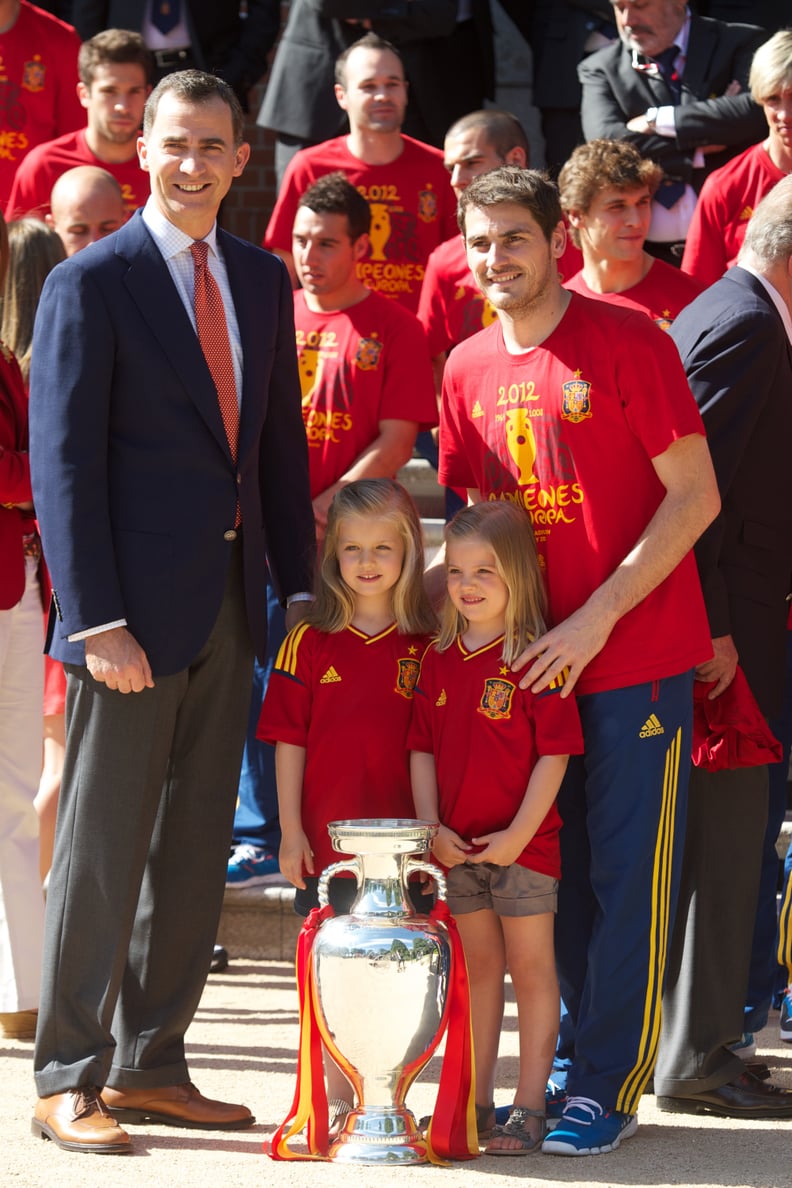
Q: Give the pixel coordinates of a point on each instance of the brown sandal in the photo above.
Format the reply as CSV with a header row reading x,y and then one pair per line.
x,y
516,1128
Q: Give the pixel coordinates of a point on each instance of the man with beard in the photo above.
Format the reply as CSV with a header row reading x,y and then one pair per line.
x,y
403,180
676,86
115,76
580,412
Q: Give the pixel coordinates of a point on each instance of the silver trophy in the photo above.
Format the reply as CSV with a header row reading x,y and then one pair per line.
x,y
381,978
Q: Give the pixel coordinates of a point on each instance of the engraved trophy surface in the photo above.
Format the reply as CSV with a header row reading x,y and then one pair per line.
x,y
381,974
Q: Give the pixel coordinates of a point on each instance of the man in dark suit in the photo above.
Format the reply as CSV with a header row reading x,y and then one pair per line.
x,y
736,344
216,36
689,110
169,458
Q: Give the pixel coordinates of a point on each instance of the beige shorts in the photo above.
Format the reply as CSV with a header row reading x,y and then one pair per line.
x,y
506,890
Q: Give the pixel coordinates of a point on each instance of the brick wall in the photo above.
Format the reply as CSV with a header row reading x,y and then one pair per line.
x,y
247,208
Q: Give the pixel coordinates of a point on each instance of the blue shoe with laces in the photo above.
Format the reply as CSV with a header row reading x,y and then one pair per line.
x,y
249,866
785,1019
587,1129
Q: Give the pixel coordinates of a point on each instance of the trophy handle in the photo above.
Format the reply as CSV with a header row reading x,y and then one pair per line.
x,y
413,864
330,872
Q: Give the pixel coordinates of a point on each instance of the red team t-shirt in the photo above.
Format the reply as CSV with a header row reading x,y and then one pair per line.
x,y
486,734
662,294
568,430
413,209
358,366
452,306
727,200
38,76
347,698
30,193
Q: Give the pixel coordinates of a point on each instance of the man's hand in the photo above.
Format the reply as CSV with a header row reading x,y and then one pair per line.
x,y
569,645
116,659
639,124
721,667
321,506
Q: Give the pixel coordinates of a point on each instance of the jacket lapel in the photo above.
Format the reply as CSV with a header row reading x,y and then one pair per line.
x,y
149,284
701,46
250,312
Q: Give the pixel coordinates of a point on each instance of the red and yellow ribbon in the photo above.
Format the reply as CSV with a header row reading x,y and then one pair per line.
x,y
452,1131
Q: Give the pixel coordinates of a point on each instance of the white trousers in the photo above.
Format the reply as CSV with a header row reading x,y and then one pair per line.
x,y
21,899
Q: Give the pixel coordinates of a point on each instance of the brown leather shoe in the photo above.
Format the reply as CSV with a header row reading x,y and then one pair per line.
x,y
20,1025
176,1105
78,1121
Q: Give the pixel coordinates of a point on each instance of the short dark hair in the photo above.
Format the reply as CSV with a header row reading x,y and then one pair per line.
x,y
195,86
601,163
525,187
335,194
504,131
113,45
371,41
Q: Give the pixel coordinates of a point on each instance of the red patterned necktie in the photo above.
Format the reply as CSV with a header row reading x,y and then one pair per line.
x,y
210,321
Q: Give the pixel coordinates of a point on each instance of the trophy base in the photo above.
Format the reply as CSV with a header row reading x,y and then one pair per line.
x,y
379,1136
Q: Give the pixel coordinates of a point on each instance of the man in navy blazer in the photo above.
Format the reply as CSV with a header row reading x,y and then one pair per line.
x,y
735,340
157,539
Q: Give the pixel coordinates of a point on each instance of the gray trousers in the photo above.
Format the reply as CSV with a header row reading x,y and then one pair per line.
x,y
141,849
707,974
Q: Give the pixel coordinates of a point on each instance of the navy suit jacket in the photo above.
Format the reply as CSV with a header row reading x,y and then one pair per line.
x,y
718,54
132,474
738,361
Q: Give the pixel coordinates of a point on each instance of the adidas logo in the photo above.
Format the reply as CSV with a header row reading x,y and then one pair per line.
x,y
478,411
330,677
745,214
442,699
651,727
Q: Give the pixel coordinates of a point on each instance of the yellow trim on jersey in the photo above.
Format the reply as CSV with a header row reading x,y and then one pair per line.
x,y
287,656
466,655
559,681
371,638
630,1093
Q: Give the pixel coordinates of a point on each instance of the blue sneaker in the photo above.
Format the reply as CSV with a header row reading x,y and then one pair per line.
x,y
586,1129
555,1101
785,1021
745,1046
249,866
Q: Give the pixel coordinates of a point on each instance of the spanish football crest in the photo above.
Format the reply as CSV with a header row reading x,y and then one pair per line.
x,y
367,356
521,444
33,75
407,678
496,699
427,206
576,406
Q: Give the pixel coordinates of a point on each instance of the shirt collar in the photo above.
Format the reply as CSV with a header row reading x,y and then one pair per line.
x,y
775,297
169,238
642,62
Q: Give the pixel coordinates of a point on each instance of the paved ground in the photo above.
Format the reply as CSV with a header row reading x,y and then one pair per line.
x,y
242,1048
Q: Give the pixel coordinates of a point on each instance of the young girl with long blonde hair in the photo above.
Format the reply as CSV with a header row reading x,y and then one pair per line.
x,y
339,699
487,761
